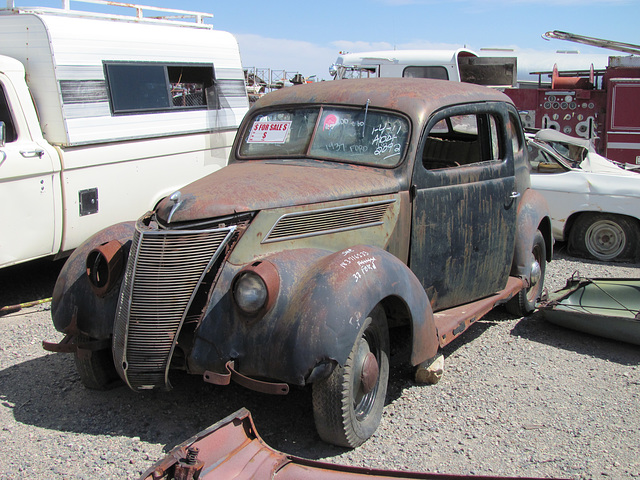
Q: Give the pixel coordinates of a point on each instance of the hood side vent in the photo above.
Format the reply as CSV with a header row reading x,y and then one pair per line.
x,y
329,220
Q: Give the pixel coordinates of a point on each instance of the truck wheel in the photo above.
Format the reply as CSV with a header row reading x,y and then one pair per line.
x,y
524,302
604,237
95,367
347,405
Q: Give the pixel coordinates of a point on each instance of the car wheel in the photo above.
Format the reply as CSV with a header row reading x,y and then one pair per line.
x,y
524,302
95,367
604,237
347,405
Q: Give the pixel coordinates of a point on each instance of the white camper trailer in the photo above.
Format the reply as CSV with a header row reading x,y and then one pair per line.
x,y
461,65
101,116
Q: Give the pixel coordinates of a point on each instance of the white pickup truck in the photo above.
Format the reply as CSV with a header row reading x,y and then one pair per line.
x,y
102,116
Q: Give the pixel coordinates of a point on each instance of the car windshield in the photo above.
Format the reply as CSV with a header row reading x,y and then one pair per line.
x,y
361,136
543,162
573,153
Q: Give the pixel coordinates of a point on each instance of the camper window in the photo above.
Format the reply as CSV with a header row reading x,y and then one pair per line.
x,y
145,87
439,73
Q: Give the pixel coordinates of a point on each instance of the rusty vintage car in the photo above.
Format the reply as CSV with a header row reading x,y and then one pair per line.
x,y
348,209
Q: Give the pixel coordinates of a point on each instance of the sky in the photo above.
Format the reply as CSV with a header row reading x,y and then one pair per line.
x,y
307,36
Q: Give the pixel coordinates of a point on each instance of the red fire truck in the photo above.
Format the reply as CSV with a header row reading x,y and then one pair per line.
x,y
602,105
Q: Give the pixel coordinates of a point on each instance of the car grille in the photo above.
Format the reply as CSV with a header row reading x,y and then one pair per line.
x,y
163,273
329,220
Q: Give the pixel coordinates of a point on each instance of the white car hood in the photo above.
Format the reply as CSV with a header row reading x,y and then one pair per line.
x,y
595,163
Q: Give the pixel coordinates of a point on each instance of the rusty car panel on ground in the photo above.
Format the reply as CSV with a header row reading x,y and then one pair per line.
x,y
232,448
348,210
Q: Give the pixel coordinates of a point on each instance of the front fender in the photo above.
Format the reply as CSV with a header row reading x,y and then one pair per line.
x,y
533,215
75,307
323,300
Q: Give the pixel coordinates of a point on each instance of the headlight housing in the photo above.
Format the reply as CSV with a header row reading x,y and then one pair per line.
x,y
250,293
255,288
104,267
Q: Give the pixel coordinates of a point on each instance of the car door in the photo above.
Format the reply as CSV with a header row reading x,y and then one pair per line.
x,y
27,187
464,205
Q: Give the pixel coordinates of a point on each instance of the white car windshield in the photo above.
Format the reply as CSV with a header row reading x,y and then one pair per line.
x,y
361,136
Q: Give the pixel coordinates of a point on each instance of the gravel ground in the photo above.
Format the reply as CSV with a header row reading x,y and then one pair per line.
x,y
519,397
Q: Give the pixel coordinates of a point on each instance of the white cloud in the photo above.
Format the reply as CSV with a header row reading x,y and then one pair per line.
x,y
484,3
284,54
307,58
348,46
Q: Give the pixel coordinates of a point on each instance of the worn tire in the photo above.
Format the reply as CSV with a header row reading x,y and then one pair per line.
x,y
96,368
344,413
604,237
524,302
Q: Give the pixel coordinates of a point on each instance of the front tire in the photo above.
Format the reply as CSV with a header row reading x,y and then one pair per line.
x,y
604,237
347,405
95,367
524,302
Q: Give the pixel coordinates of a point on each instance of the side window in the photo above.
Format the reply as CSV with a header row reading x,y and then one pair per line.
x,y
7,117
515,132
437,72
541,161
145,87
463,140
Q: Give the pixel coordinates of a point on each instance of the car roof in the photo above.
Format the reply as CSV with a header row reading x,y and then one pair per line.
x,y
416,97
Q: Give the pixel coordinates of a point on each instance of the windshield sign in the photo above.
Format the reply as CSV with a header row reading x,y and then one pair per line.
x,y
359,136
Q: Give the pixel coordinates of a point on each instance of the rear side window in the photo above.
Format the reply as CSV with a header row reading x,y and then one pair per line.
x,y
437,72
148,87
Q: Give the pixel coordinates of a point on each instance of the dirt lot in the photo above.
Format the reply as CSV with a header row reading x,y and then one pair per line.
x,y
519,396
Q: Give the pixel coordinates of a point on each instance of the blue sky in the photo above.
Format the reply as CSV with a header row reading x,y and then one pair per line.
x,y
306,36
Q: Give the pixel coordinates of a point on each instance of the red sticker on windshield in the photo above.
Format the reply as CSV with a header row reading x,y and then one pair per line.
x,y
329,122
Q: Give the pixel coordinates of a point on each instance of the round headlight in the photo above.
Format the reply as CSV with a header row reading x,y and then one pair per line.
x,y
250,293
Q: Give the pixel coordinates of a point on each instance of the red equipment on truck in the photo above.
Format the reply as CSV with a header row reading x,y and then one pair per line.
x,y
600,105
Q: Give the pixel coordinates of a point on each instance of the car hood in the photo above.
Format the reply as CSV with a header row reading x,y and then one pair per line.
x,y
598,164
257,185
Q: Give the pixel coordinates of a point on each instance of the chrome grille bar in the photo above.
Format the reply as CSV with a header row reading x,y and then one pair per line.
x,y
163,273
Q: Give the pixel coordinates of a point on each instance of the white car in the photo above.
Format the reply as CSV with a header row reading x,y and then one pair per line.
x,y
594,203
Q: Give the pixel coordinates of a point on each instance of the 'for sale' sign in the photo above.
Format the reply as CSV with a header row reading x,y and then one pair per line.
x,y
269,132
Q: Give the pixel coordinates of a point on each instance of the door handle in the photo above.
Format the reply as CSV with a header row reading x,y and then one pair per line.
x,y
3,157
38,152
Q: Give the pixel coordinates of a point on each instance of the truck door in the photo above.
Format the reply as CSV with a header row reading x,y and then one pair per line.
x,y
623,122
464,210
27,215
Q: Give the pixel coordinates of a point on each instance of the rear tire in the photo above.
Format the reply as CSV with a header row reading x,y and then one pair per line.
x,y
524,302
347,406
95,367
604,237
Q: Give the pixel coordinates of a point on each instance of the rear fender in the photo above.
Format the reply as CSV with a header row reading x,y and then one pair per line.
x,y
76,308
533,215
